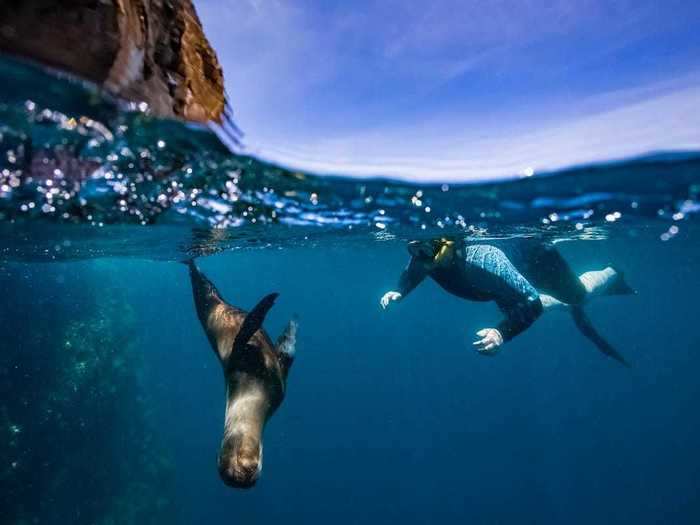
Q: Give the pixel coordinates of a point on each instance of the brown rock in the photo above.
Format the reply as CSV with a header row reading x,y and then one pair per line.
x,y
141,50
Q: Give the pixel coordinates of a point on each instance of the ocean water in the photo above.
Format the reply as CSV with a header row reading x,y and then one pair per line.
x,y
111,400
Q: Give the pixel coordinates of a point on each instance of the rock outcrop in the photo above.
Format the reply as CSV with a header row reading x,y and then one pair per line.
x,y
141,50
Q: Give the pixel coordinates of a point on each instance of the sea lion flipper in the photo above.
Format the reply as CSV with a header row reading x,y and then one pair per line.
x,y
254,320
583,323
286,345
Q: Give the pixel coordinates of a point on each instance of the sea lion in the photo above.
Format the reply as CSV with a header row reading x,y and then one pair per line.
x,y
255,372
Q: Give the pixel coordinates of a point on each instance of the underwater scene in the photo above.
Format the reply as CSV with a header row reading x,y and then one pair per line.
x,y
543,370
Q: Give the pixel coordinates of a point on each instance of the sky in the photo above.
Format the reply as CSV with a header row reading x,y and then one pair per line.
x,y
458,89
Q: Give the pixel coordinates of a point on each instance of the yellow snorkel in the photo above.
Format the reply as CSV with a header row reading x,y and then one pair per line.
x,y
445,246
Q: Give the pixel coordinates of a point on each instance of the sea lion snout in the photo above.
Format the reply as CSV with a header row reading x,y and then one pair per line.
x,y
242,466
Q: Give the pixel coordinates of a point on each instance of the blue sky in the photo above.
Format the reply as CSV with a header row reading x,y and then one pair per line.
x,y
465,90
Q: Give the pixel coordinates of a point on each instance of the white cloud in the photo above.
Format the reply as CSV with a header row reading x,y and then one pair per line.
x,y
668,121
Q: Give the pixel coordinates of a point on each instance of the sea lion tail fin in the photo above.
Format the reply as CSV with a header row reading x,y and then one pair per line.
x,y
287,344
254,320
583,323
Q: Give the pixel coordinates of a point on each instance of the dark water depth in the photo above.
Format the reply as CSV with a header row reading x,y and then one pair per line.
x,y
390,415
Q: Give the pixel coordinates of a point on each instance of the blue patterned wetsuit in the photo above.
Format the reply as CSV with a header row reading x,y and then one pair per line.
x,y
481,272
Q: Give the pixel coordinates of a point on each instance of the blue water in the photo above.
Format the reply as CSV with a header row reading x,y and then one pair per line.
x,y
111,400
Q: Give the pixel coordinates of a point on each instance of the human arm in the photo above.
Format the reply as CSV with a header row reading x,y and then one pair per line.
x,y
515,296
518,318
411,277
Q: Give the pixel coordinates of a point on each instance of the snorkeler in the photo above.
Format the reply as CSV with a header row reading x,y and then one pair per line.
x,y
534,279
255,372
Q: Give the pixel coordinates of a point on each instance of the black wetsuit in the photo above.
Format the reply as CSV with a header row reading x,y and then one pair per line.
x,y
483,272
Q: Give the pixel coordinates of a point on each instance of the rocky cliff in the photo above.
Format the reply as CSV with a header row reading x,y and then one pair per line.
x,y
142,50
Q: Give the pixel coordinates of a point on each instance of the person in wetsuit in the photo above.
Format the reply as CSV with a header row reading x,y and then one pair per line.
x,y
534,277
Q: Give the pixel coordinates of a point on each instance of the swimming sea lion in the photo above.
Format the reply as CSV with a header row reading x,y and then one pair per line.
x,y
255,371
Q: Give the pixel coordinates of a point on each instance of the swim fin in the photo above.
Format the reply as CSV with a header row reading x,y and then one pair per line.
x,y
253,320
619,286
583,323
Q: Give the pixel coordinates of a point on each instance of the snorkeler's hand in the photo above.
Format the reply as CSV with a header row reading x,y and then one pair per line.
x,y
388,297
490,341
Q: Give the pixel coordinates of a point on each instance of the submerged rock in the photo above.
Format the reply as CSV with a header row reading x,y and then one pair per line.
x,y
78,441
141,50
